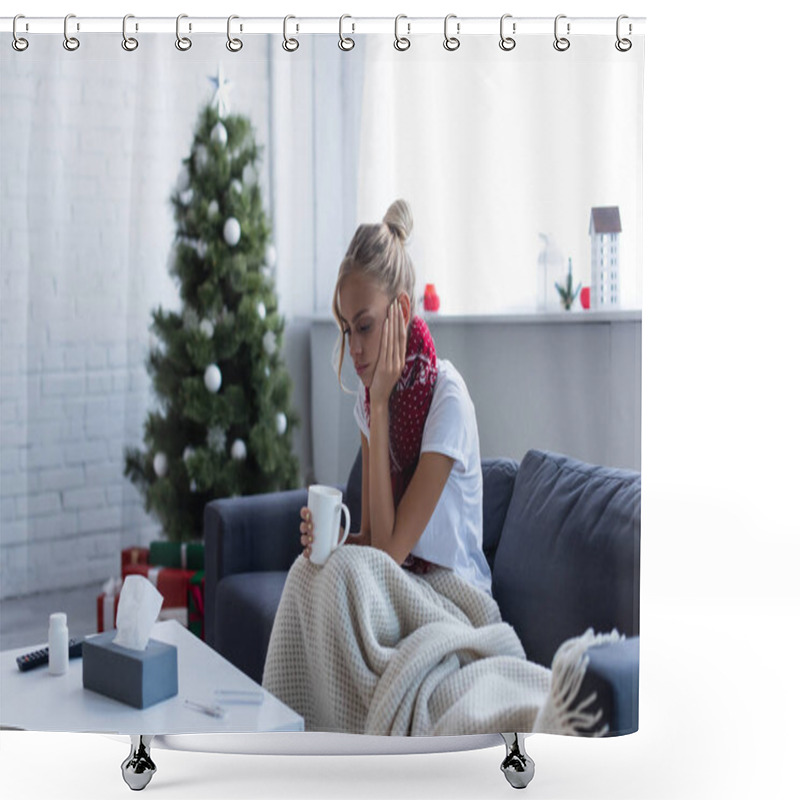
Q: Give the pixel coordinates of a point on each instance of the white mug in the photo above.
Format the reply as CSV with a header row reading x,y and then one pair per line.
x,y
326,506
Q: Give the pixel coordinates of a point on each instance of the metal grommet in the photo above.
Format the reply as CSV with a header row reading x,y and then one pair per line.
x,y
71,43
401,43
128,42
234,45
183,43
561,43
18,43
289,45
506,42
451,42
345,43
623,45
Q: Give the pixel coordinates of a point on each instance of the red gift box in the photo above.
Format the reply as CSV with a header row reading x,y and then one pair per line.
x,y
100,612
134,555
172,583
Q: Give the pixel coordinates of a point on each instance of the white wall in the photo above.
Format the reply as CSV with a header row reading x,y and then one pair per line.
x,y
91,146
570,383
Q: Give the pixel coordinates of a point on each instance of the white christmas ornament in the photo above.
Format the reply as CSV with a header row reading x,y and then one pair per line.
x,y
187,196
212,378
188,452
232,231
272,256
262,311
270,342
281,423
219,134
207,328
239,450
160,464
267,372
193,486
200,157
236,186
213,209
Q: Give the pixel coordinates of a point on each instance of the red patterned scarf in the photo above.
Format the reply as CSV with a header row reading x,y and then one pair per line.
x,y
409,405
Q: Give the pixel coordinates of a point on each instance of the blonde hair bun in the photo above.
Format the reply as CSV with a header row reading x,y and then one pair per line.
x,y
399,220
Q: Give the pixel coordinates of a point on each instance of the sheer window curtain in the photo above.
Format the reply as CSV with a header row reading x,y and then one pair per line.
x,y
498,153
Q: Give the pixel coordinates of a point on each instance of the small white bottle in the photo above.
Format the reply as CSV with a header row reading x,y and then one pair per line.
x,y
58,644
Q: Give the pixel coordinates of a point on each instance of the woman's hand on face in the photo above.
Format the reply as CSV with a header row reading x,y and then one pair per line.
x,y
306,530
391,357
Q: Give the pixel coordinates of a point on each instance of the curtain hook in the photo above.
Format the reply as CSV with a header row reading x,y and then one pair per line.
x,y
19,44
289,45
70,42
401,43
561,43
183,43
345,43
451,42
234,45
128,42
506,42
623,45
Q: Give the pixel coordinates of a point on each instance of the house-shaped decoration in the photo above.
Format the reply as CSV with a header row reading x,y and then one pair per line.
x,y
605,228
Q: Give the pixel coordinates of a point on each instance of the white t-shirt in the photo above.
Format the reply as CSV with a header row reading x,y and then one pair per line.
x,y
453,537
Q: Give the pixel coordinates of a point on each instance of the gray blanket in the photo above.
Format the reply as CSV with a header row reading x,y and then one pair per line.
x,y
363,646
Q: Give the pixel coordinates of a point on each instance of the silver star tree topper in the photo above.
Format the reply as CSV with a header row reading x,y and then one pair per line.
x,y
222,94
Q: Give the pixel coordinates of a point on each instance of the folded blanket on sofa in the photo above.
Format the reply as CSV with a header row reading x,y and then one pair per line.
x,y
363,646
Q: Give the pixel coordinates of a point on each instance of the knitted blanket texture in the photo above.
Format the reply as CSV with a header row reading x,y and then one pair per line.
x,y
360,645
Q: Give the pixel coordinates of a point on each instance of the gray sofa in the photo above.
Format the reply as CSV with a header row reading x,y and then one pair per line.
x,y
561,536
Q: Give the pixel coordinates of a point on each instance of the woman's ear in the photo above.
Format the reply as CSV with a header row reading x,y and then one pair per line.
x,y
405,306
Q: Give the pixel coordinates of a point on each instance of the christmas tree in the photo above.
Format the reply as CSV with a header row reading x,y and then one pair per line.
x,y
224,423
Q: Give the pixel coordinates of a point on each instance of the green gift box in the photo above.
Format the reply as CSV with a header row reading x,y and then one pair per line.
x,y
195,604
178,555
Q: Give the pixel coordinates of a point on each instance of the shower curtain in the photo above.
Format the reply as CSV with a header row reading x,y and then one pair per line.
x,y
156,198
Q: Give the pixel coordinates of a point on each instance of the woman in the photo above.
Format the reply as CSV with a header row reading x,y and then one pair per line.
x,y
421,469
361,645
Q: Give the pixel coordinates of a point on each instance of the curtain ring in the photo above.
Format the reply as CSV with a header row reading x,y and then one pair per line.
x,y
506,42
183,43
623,45
451,42
345,43
561,43
128,42
234,45
19,44
70,42
401,43
289,45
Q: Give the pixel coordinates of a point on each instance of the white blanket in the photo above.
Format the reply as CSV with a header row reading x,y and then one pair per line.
x,y
363,646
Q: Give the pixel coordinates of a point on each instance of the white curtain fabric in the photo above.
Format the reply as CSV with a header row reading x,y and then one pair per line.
x,y
502,155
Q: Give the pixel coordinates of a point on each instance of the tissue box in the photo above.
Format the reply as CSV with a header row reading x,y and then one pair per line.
x,y
139,678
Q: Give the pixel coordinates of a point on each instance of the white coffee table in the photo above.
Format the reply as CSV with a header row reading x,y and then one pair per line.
x,y
36,700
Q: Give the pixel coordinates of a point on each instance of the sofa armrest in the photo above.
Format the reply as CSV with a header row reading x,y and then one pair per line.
x,y
613,673
256,533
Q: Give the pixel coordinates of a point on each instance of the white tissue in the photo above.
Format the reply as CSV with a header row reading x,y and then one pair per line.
x,y
139,605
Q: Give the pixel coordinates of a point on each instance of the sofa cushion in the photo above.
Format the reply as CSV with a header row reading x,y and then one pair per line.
x,y
246,604
498,484
568,557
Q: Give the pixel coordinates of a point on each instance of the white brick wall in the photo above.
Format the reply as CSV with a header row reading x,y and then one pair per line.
x,y
91,146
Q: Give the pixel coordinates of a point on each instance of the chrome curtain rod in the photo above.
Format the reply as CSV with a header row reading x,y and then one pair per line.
x,y
458,26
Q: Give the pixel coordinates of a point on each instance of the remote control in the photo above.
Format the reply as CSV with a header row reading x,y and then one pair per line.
x,y
38,658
